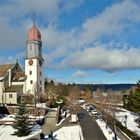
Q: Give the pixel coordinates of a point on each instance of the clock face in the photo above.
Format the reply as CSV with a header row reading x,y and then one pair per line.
x,y
30,62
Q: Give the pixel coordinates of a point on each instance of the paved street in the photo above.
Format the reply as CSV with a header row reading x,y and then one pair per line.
x,y
90,129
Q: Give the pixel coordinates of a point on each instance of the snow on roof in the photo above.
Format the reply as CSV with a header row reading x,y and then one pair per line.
x,y
19,76
42,105
69,133
1,78
8,118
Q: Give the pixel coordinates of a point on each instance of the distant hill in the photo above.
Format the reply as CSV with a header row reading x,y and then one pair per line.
x,y
105,87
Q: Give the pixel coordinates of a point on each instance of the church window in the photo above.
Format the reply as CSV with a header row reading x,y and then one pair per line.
x,y
31,81
30,72
40,82
10,95
30,47
40,73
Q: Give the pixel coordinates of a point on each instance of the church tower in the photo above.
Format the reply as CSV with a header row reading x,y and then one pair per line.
x,y
34,63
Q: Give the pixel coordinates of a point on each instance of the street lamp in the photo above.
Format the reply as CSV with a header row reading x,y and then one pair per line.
x,y
125,117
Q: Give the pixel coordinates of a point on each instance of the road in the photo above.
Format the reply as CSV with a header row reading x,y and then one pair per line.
x,y
91,130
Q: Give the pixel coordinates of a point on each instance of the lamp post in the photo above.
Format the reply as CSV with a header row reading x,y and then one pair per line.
x,y
125,117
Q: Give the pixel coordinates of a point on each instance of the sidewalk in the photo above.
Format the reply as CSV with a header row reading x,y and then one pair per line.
x,y
50,122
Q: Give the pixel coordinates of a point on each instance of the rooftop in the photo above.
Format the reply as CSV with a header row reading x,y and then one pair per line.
x,y
13,88
19,76
4,68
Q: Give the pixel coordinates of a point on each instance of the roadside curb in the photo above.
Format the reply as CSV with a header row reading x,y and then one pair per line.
x,y
124,133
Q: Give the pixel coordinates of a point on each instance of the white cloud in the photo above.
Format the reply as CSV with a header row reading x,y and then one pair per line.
x,y
16,18
112,21
79,74
12,59
104,58
77,47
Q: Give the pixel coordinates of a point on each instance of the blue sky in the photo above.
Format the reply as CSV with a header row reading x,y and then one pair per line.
x,y
84,41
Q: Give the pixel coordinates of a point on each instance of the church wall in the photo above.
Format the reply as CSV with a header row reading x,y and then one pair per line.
x,y
6,80
31,87
33,49
20,83
41,79
1,92
10,97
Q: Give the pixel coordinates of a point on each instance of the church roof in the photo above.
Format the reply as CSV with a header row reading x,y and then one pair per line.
x,y
34,34
19,76
4,68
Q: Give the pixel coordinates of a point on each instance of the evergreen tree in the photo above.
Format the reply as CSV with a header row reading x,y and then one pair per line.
x,y
22,124
133,103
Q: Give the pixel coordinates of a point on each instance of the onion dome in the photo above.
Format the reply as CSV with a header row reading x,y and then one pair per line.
x,y
34,34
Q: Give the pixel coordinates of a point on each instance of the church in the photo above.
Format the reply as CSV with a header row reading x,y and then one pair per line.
x,y
16,83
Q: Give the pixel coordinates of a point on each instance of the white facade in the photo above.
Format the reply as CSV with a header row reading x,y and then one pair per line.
x,y
10,98
22,83
35,77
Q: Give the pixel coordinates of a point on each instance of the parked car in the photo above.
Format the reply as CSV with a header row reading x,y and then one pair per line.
x,y
91,109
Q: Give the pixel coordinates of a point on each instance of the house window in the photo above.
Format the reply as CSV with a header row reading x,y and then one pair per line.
x,y
31,81
40,82
30,72
40,73
10,95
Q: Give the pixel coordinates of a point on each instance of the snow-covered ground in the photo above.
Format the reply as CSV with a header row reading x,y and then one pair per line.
x,y
7,130
69,133
130,123
107,131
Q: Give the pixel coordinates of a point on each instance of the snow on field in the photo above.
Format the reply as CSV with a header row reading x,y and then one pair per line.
x,y
131,116
107,131
7,130
69,133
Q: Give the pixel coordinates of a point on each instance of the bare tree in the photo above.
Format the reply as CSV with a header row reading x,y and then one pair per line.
x,y
74,94
115,98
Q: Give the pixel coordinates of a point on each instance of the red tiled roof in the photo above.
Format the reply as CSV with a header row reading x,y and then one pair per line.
x,y
4,68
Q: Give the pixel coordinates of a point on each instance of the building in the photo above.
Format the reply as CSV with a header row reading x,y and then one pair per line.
x,y
14,82
34,63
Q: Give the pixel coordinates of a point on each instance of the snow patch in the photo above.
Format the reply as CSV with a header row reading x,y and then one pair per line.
x,y
69,133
